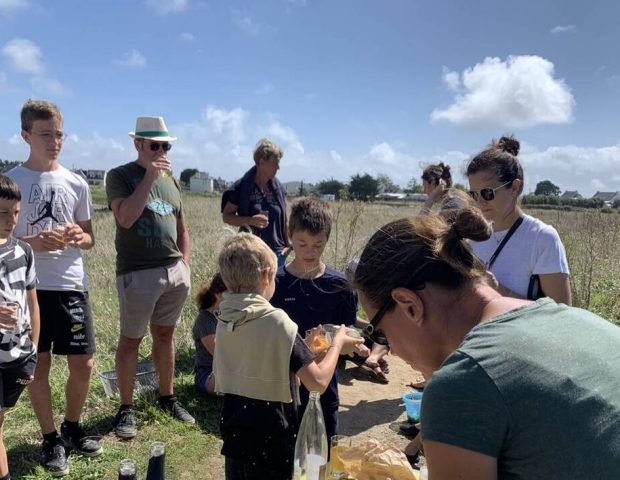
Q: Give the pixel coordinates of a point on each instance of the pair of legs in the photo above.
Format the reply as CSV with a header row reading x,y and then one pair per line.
x,y
80,368
163,357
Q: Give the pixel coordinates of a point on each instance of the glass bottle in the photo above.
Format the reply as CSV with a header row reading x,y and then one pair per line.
x,y
311,446
157,462
127,470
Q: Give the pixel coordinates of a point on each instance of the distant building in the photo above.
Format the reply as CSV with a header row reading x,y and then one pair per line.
x,y
570,195
608,197
328,197
95,177
391,196
417,197
201,182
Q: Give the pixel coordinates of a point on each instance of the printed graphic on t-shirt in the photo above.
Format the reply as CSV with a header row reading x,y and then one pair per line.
x,y
160,207
49,202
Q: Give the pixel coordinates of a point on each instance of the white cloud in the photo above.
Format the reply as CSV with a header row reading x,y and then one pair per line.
x,y
24,56
244,22
265,89
573,167
48,86
164,7
451,80
187,37
228,123
335,156
520,92
7,6
132,59
282,133
559,29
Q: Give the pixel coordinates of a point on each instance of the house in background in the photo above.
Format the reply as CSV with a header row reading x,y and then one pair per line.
x,y
95,177
201,182
608,197
570,195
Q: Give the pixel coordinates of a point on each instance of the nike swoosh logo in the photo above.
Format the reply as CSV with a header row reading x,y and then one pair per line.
x,y
75,302
76,328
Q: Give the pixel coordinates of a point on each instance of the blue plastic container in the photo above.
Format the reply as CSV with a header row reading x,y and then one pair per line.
x,y
413,404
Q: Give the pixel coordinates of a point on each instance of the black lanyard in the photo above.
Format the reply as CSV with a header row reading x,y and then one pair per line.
x,y
512,230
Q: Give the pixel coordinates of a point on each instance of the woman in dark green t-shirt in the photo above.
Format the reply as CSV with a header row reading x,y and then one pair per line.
x,y
518,389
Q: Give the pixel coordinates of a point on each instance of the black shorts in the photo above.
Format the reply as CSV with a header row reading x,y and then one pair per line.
x,y
13,380
66,323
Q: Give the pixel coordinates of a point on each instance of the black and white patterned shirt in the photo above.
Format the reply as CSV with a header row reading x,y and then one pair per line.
x,y
17,275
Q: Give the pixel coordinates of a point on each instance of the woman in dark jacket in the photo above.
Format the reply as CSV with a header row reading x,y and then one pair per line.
x,y
257,201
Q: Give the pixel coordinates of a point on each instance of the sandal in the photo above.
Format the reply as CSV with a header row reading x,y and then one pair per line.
x,y
385,367
373,371
417,386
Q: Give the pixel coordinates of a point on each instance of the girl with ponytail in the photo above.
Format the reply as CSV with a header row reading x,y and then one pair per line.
x,y
208,299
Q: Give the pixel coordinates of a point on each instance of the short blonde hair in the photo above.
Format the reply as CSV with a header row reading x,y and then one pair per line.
x,y
266,150
243,260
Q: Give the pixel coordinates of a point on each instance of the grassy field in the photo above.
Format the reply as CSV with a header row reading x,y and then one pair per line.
x,y
591,241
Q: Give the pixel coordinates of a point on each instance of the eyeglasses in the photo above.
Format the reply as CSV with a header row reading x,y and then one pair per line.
x,y
48,137
154,146
371,331
487,194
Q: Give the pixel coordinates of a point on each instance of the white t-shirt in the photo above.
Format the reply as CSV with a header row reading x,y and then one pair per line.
x,y
47,199
534,248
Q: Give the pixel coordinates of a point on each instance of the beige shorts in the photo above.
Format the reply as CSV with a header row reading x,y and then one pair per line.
x,y
154,295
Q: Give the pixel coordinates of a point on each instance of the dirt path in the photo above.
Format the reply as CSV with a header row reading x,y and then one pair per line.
x,y
367,408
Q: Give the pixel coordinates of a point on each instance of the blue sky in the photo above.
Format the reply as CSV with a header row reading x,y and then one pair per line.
x,y
344,86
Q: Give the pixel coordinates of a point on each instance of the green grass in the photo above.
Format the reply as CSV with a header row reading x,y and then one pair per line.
x,y
591,241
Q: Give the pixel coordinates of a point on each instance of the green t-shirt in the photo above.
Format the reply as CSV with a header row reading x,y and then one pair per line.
x,y
538,388
152,240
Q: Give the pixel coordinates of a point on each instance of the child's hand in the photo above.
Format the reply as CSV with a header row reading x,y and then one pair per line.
x,y
346,341
8,316
362,350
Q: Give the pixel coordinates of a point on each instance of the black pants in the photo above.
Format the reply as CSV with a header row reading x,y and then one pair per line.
x,y
242,470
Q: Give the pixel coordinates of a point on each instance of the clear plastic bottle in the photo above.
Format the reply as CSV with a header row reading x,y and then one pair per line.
x,y
311,449
157,462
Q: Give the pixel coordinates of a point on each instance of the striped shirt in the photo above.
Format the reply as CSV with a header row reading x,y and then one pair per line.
x,y
17,275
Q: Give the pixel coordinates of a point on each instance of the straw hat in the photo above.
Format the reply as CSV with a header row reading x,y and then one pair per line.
x,y
152,128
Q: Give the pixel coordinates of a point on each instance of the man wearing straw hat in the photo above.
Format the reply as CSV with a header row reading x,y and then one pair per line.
x,y
152,266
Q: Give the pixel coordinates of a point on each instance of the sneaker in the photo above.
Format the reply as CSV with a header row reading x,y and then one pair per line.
x,y
80,442
125,425
54,458
176,410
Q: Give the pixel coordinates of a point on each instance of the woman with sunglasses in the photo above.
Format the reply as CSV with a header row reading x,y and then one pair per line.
x,y
525,255
257,201
516,389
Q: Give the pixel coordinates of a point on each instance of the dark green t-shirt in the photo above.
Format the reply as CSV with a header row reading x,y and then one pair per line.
x,y
152,240
538,388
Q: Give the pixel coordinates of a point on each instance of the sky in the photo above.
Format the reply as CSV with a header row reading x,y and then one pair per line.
x,y
343,86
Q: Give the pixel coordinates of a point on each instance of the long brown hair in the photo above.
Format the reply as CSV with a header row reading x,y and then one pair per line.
x,y
412,252
207,295
434,173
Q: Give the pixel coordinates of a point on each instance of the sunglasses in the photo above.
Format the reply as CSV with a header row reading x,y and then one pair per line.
x,y
371,331
486,194
154,146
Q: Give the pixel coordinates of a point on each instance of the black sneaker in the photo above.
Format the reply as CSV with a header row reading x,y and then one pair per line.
x,y
54,458
76,439
176,410
125,425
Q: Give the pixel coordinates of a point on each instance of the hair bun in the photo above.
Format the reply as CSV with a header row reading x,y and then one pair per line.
x,y
509,144
445,171
471,224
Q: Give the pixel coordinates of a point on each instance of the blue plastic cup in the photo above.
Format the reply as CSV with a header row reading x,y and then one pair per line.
x,y
413,405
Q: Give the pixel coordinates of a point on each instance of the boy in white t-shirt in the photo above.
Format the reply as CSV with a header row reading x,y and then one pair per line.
x,y
55,221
